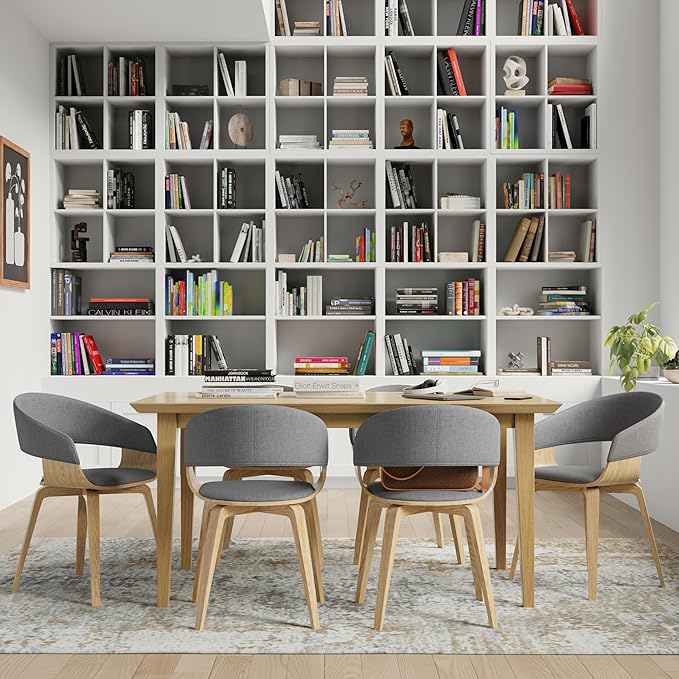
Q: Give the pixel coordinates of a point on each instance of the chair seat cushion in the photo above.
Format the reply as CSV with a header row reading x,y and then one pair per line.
x,y
117,477
258,490
568,473
377,489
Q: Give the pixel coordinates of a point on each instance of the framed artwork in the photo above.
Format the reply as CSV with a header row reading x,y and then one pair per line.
x,y
15,216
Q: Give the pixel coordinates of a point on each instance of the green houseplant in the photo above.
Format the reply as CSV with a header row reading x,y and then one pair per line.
x,y
636,345
671,369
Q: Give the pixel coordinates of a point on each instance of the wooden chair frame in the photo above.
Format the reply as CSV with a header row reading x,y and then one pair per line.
x,y
62,479
621,476
217,522
396,510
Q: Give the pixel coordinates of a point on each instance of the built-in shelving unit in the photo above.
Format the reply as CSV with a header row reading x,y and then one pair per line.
x,y
254,336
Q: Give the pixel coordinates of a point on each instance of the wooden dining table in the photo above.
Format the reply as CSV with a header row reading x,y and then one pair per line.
x,y
175,409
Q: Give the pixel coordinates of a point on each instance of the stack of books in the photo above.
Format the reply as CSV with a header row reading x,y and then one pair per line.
x,y
507,129
327,387
411,243
567,300
526,241
450,74
401,186
417,301
203,295
227,189
292,193
187,355
66,293
340,259
74,353
298,141
448,133
560,86
460,201
350,86
176,193
395,79
400,355
366,246
129,366
240,383
127,77
307,28
335,23
350,306
321,365
300,301
294,87
451,362
72,130
560,191
313,251
132,254
570,368
82,199
141,129
463,298
249,245
119,190
120,306
351,139
561,256
528,193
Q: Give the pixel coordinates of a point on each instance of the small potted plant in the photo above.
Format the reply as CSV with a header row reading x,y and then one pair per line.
x,y
636,345
671,369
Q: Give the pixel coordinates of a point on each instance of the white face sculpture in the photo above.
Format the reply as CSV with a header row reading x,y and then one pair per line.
x,y
515,73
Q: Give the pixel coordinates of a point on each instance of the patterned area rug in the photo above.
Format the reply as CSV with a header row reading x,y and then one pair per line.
x,y
257,603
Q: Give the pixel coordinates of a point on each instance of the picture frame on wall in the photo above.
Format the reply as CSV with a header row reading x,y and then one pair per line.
x,y
15,216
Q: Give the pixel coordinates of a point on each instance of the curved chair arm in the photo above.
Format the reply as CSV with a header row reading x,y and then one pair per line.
x,y
640,439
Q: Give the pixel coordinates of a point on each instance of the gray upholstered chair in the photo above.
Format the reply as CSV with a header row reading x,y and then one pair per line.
x,y
252,437
632,423
49,427
431,436
371,474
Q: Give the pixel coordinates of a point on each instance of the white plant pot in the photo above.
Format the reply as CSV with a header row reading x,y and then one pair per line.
x,y
672,375
9,230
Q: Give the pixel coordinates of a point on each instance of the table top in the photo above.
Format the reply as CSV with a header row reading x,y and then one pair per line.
x,y
374,402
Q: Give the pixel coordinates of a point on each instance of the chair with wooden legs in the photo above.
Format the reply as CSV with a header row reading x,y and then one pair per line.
x,y
434,436
370,475
257,438
632,423
49,427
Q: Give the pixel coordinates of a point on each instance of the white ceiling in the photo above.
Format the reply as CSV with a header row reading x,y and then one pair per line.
x,y
148,20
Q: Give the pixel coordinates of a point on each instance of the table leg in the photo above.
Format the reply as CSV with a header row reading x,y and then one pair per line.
x,y
525,487
167,436
186,510
500,497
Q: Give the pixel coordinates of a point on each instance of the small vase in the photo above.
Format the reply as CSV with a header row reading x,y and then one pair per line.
x,y
19,248
672,375
9,230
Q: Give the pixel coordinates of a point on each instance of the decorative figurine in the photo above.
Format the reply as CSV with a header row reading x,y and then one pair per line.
x,y
241,130
515,360
515,77
517,310
195,259
347,195
406,128
79,243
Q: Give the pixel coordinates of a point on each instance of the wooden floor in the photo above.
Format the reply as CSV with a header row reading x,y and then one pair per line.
x,y
558,515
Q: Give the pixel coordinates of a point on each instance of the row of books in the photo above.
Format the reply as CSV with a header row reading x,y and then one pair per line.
x,y
178,136
350,306
531,17
411,243
561,134
563,19
300,300
141,129
126,77
450,77
313,251
472,18
74,353
507,129
70,78
463,298
527,240
66,293
335,23
464,362
400,355
560,191
350,86
249,245
227,189
417,301
176,192
82,199
401,186
298,141
296,87
72,130
396,82
351,139
566,300
448,133
292,192
198,295
528,193
187,355
238,87
132,254
119,189
366,246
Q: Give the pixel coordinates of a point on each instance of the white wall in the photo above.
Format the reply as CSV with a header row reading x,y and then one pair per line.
x,y
24,329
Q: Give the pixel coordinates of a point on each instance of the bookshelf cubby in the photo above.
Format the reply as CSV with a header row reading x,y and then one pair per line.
x,y
254,336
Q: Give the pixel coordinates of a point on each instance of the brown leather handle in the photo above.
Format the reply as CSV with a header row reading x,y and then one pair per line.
x,y
401,478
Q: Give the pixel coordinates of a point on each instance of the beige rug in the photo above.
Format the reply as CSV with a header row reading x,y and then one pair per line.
x,y
257,603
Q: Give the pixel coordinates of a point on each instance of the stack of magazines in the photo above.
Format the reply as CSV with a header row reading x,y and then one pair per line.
x,y
239,383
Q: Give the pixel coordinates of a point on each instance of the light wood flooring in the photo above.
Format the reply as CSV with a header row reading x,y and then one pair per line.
x,y
558,515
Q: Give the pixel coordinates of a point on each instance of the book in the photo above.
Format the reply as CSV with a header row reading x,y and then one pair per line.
x,y
516,244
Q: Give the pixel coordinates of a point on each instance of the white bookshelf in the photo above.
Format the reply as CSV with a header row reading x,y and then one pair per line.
x,y
254,336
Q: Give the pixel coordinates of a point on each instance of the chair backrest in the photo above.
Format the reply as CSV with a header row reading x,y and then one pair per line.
x,y
631,422
256,436
431,436
382,387
49,426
